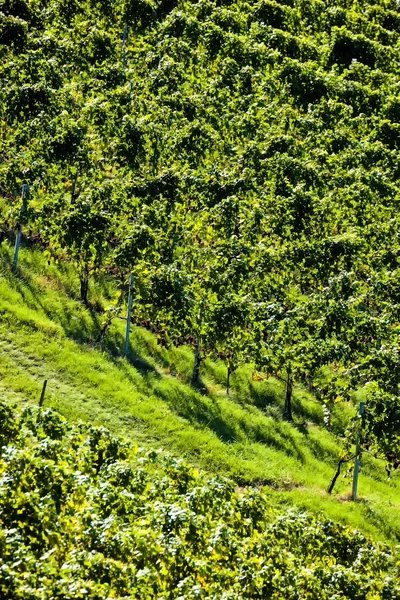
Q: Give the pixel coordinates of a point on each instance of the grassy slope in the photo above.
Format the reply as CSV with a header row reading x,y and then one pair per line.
x,y
45,334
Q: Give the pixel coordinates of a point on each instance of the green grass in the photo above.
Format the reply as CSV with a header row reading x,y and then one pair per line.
x,y
45,333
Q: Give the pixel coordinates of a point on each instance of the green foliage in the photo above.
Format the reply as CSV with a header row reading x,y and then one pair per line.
x,y
46,333
85,515
240,159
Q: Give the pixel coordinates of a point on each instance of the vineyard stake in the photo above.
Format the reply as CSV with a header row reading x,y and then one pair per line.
x,y
124,39
357,458
16,247
25,188
197,357
41,401
128,318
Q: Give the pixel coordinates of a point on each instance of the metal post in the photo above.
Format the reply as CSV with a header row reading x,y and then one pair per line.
x,y
124,39
25,188
16,247
125,35
357,462
128,318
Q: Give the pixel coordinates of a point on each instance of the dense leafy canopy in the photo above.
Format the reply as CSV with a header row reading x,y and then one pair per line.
x,y
85,516
240,158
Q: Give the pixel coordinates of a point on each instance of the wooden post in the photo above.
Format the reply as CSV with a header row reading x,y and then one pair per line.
x,y
288,395
73,192
25,188
197,356
128,317
41,401
357,462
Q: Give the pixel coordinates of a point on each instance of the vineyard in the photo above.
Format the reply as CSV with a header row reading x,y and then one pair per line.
x,y
240,160
226,172
85,515
46,334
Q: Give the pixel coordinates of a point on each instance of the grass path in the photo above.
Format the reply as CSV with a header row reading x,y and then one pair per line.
x,y
44,334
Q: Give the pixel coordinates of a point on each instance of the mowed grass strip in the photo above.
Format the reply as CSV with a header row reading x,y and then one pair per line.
x,y
45,333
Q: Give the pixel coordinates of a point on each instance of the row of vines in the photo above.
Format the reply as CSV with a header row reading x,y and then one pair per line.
x,y
86,516
240,159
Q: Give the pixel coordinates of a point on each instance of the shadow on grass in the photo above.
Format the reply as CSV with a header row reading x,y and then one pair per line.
x,y
62,313
322,451
268,394
302,428
66,283
175,360
6,256
307,410
193,404
263,395
83,331
200,387
143,367
244,427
